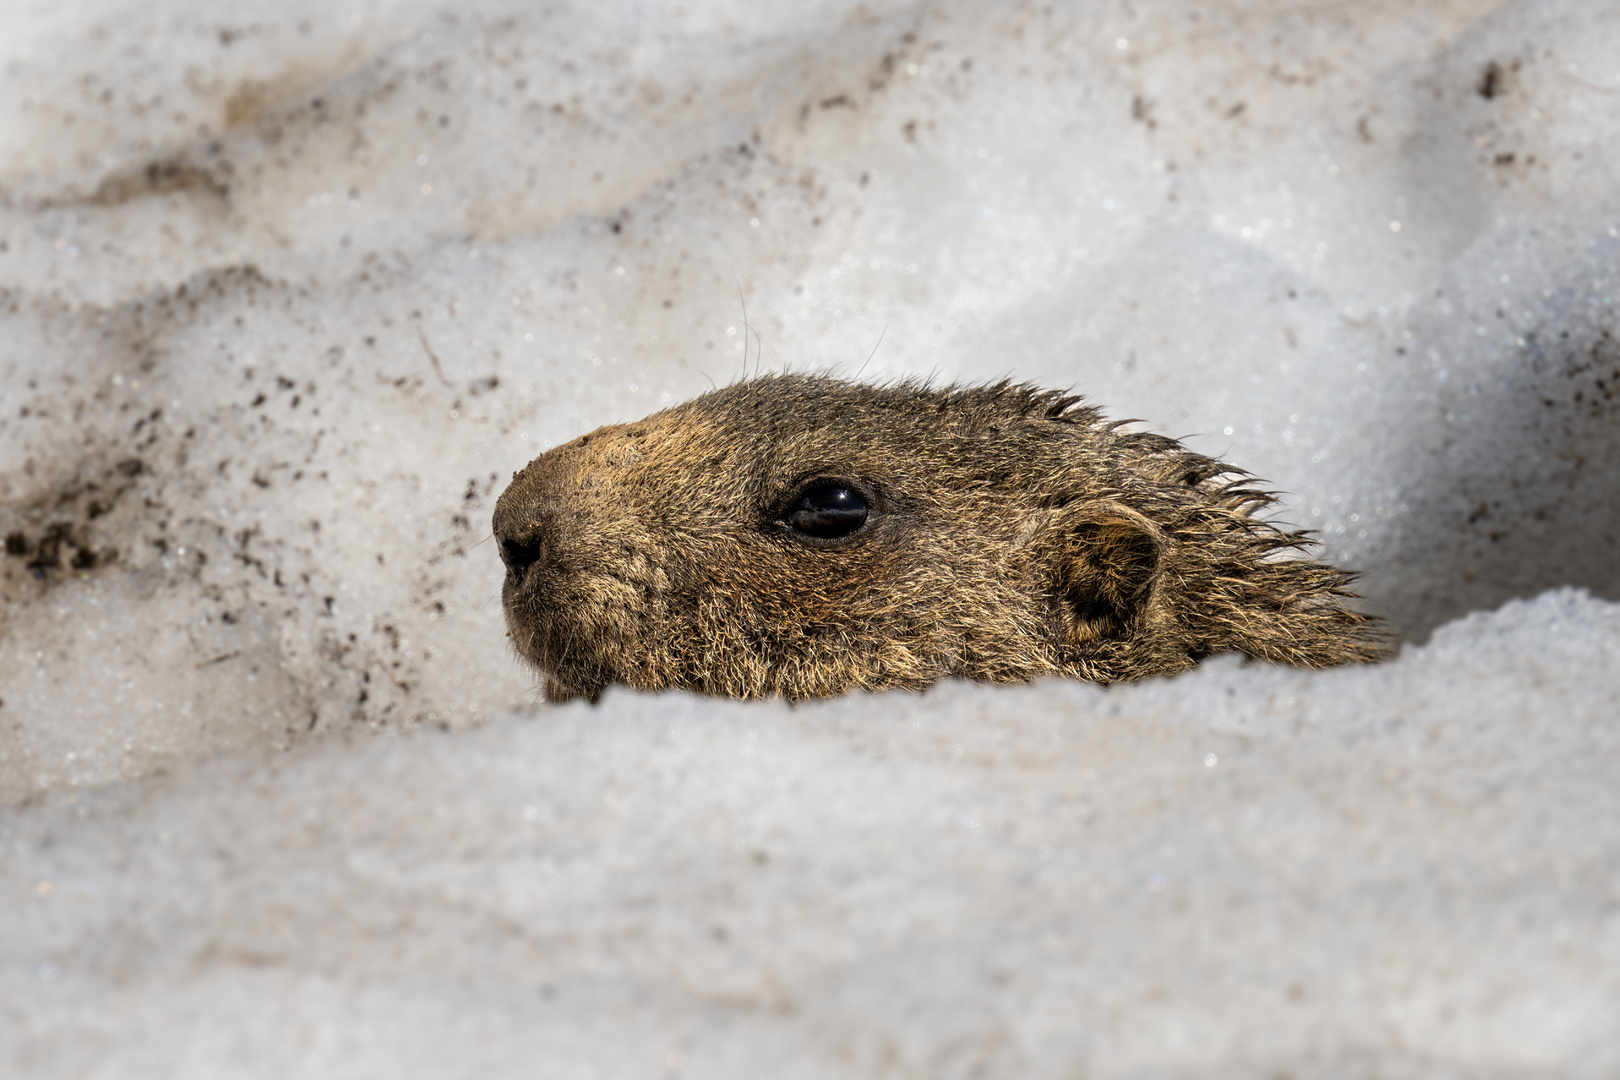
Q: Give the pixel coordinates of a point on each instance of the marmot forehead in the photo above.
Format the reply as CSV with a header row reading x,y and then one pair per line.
x,y
778,426
752,441
802,536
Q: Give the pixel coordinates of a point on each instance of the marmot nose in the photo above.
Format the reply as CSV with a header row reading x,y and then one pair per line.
x,y
521,548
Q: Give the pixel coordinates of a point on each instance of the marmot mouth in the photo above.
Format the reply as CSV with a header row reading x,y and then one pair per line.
x,y
545,628
562,654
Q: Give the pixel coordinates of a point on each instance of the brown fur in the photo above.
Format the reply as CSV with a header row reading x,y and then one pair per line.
x,y
1012,533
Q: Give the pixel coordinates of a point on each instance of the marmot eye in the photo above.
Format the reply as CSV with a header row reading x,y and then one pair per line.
x,y
828,511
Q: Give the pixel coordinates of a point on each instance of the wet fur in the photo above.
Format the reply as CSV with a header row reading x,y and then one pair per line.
x,y
1014,533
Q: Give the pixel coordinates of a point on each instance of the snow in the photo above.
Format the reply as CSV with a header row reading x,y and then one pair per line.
x,y
288,294
1240,872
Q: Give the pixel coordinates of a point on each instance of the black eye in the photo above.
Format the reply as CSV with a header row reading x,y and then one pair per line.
x,y
827,511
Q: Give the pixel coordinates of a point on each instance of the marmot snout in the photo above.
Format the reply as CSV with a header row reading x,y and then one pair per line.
x,y
802,536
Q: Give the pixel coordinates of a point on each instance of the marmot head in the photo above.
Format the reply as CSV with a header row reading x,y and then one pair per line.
x,y
802,536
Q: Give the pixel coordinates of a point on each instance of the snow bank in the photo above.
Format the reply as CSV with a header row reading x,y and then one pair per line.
x,y
287,296
1246,871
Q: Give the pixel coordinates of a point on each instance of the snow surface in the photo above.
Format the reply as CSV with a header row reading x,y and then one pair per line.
x,y
288,293
1244,872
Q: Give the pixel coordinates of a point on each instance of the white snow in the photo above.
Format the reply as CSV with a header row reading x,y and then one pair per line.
x,y
1246,871
288,293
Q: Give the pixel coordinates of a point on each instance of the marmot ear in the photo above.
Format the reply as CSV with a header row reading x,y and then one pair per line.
x,y
1106,577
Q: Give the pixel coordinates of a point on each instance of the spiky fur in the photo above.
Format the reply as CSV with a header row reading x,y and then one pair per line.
x,y
1015,533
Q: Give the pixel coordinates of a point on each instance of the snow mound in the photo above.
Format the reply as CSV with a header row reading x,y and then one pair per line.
x,y
1240,872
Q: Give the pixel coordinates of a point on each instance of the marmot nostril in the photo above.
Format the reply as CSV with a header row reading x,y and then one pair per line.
x,y
521,551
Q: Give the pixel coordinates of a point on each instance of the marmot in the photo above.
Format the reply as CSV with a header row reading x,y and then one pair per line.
x,y
800,536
